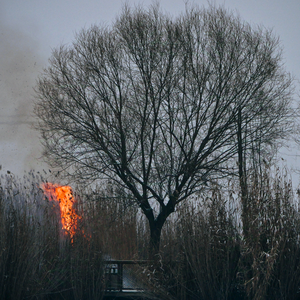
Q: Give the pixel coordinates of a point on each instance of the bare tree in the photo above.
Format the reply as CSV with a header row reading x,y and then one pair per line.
x,y
160,104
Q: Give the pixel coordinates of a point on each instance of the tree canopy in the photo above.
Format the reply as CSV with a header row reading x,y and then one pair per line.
x,y
161,104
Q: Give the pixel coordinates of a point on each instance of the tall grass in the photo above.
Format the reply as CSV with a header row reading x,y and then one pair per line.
x,y
111,219
271,252
37,259
203,253
200,252
21,238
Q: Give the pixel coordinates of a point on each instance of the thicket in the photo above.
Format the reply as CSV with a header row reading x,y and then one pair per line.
x,y
203,253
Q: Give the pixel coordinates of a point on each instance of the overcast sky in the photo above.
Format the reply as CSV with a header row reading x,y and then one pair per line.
x,y
30,29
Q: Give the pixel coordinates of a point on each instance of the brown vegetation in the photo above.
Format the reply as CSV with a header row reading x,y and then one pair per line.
x,y
204,254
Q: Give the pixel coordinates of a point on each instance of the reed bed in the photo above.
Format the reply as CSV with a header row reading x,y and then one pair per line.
x,y
203,253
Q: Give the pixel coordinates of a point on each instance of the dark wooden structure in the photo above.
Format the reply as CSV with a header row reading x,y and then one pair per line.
x,y
122,282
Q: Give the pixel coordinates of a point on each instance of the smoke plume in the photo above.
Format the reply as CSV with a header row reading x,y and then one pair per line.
x,y
20,65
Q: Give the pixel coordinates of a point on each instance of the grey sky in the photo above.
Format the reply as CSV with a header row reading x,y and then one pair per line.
x,y
29,29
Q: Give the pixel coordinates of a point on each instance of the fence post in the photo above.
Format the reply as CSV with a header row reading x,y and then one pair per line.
x,y
120,275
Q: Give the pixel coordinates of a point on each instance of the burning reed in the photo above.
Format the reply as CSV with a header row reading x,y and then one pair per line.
x,y
40,257
63,195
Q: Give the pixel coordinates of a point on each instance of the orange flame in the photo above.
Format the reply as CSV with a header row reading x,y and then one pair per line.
x,y
64,196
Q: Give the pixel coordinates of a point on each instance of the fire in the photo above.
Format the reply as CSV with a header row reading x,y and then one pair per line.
x,y
64,196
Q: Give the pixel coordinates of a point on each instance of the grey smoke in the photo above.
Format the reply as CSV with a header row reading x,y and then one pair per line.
x,y
20,65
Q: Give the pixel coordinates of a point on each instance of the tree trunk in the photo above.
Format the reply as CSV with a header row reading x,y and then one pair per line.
x,y
155,235
156,225
242,176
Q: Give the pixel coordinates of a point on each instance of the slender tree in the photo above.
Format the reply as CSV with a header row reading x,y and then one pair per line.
x,y
161,105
